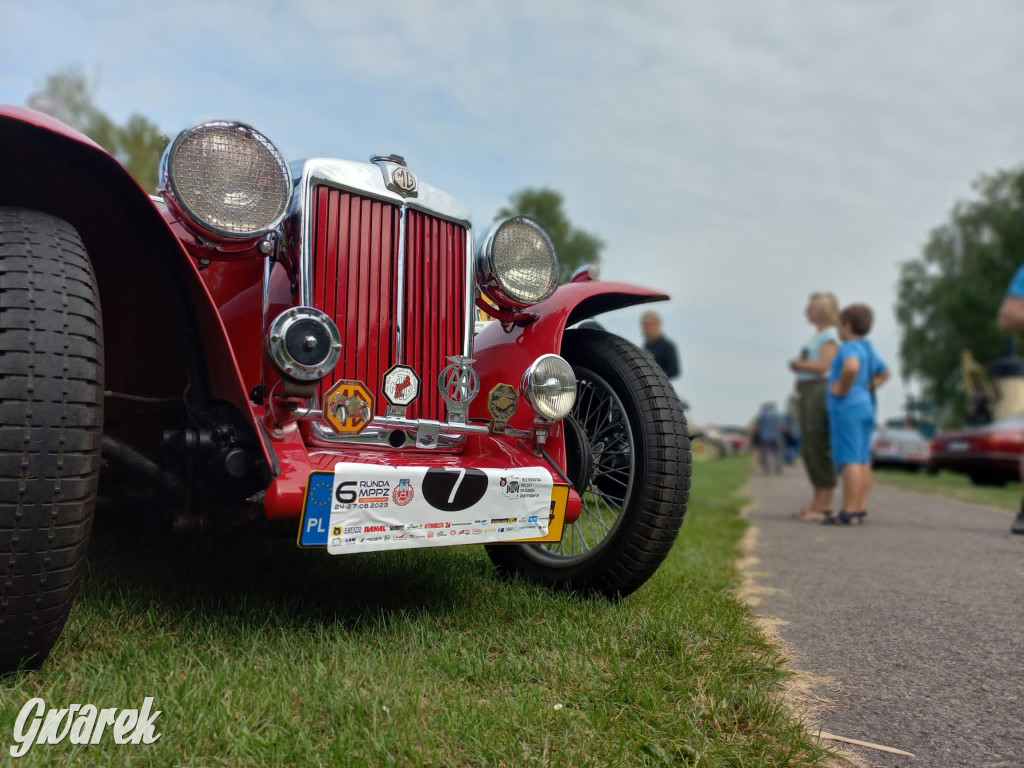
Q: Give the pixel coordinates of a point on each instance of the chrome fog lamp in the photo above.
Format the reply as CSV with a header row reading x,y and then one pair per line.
x,y
549,385
304,344
227,179
516,264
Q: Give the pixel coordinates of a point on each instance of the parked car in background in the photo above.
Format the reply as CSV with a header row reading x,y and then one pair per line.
x,y
736,438
989,455
900,447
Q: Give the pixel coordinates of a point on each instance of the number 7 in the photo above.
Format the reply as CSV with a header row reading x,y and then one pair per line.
x,y
455,488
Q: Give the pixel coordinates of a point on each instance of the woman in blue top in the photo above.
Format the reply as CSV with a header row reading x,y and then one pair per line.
x,y
857,371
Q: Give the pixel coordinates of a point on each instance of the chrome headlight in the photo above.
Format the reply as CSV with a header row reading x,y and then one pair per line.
x,y
516,264
304,344
227,178
549,385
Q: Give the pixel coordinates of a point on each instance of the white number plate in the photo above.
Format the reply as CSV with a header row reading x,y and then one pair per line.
x,y
958,445
376,507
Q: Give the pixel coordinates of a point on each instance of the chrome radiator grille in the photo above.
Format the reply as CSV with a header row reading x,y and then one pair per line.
x,y
356,272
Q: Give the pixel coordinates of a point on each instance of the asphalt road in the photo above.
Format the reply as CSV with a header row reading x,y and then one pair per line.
x,y
918,615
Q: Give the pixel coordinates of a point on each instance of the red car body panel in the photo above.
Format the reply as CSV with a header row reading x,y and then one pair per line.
x,y
146,261
995,448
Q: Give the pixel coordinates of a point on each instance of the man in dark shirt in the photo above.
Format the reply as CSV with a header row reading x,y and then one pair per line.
x,y
662,350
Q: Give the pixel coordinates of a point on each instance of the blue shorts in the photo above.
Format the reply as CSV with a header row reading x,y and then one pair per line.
x,y
851,430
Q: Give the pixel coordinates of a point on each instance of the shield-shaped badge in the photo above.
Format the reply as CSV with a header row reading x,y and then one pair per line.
x,y
501,404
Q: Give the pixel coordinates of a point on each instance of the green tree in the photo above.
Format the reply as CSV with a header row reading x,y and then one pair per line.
x,y
949,297
138,144
574,247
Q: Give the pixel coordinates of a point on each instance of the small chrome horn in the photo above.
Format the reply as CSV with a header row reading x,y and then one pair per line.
x,y
304,344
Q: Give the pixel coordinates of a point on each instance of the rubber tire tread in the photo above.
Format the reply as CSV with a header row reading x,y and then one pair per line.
x,y
51,422
657,503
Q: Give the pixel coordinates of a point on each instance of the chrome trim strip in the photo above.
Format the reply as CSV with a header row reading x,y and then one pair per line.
x,y
378,437
392,423
467,341
400,287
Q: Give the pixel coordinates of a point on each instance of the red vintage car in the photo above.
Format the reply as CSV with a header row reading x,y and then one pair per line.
x,y
989,455
297,343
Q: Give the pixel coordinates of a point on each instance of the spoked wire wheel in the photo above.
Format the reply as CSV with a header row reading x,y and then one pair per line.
x,y
601,450
628,457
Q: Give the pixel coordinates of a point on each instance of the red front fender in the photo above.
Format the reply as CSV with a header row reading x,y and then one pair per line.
x,y
502,354
156,309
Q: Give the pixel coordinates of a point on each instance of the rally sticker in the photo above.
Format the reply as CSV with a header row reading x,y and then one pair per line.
x,y
380,507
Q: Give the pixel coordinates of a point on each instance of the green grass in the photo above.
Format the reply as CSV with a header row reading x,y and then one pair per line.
x,y
953,486
260,654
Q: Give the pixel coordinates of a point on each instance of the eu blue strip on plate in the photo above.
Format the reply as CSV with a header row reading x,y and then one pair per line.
x,y
316,516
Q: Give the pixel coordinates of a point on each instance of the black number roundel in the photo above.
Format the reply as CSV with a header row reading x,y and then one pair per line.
x,y
454,489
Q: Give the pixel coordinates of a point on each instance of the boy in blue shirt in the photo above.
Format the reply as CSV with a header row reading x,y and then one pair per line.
x,y
1011,318
857,371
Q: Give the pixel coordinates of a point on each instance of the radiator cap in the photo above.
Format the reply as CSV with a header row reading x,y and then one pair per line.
x,y
397,159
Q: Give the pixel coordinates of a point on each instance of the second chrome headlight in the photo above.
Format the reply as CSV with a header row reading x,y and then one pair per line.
x,y
549,385
516,264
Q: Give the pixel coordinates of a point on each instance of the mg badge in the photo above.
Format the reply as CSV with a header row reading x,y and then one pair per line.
x,y
400,387
501,404
397,177
348,407
459,384
404,182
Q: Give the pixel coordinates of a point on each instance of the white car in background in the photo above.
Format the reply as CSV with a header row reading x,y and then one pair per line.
x,y
900,447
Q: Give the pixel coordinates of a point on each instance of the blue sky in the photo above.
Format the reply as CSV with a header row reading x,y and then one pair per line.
x,y
737,154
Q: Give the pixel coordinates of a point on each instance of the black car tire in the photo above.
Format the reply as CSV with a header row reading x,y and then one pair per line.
x,y
51,418
655,503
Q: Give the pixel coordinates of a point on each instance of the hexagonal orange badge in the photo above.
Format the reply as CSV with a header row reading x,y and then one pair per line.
x,y
348,407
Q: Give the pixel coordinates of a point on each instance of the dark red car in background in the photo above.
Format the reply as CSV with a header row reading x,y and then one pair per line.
x,y
989,455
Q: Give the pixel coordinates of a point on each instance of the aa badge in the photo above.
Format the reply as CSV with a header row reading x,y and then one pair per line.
x,y
459,384
348,407
501,404
400,387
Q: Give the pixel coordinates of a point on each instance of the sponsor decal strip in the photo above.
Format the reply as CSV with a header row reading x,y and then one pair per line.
x,y
374,507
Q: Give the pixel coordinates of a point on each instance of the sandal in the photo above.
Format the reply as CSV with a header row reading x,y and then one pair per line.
x,y
845,518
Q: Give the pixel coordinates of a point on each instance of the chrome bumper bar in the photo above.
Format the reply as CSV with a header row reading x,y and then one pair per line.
x,y
397,432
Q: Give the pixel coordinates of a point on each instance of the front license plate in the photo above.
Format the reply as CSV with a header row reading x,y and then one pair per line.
x,y
958,445
366,508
